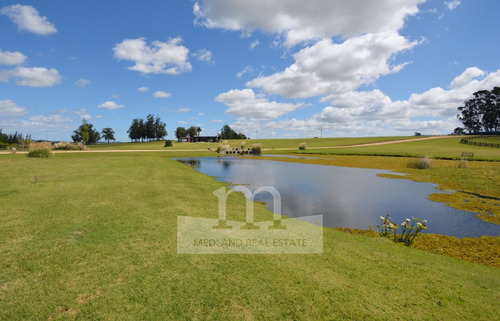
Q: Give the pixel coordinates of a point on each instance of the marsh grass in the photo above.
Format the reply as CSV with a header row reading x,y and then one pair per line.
x,y
302,146
42,149
69,146
420,163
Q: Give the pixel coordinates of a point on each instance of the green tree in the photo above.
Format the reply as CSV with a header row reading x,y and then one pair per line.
x,y
86,133
481,112
108,134
228,133
159,128
192,131
134,131
198,130
180,132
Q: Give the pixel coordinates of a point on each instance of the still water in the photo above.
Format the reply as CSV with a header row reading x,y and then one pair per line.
x,y
346,197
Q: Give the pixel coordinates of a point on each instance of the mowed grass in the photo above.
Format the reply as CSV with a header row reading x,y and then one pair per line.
x,y
95,238
267,143
448,147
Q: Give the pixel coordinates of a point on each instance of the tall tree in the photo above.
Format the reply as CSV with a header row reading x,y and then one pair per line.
x,y
108,134
228,133
198,130
180,132
159,128
86,133
134,131
192,131
150,127
481,112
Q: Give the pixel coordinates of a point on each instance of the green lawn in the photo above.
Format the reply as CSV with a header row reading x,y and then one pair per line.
x,y
267,143
95,238
445,147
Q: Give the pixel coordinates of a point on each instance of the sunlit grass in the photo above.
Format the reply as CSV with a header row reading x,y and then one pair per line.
x,y
95,238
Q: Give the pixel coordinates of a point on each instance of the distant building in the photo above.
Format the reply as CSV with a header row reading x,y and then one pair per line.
x,y
200,139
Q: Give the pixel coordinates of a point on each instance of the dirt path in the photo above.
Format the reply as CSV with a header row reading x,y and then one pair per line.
x,y
206,150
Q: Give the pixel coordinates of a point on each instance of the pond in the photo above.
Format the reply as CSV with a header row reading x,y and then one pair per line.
x,y
346,197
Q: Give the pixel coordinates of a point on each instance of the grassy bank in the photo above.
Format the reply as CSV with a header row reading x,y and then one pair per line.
x,y
95,238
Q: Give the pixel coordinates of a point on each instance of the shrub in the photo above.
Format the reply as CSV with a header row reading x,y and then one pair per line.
x,y
420,163
69,146
219,148
463,163
302,146
257,149
40,149
408,229
168,143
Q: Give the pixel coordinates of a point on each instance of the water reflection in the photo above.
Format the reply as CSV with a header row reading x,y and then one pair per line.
x,y
347,197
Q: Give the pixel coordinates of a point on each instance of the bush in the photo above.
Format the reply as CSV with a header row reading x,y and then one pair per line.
x,y
40,149
463,163
302,146
69,146
420,163
168,143
257,149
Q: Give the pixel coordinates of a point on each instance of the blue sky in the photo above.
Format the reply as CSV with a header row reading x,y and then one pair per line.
x,y
267,68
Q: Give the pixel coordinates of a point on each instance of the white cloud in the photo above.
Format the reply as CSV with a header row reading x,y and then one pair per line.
x,y
50,119
453,4
247,69
32,77
82,82
142,89
374,113
328,68
182,110
201,114
83,113
162,94
205,56
10,58
298,22
157,58
181,122
254,44
245,103
10,108
216,121
110,105
28,19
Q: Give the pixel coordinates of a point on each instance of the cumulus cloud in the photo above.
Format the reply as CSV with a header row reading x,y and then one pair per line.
x,y
298,22
142,89
32,77
110,105
162,94
327,68
246,103
205,56
156,58
10,58
82,82
374,113
28,19
10,108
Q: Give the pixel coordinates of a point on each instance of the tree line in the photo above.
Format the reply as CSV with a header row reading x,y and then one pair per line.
x,y
226,132
150,129
481,113
13,139
86,134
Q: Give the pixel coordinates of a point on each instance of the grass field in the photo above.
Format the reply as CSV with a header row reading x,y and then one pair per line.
x,y
267,143
448,147
95,238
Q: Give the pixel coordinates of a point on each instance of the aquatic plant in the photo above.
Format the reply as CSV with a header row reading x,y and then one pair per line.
x,y
420,163
409,229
